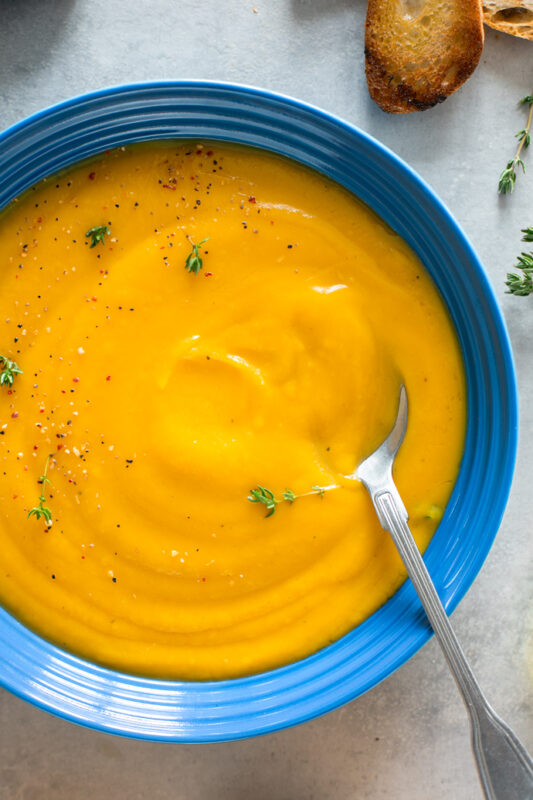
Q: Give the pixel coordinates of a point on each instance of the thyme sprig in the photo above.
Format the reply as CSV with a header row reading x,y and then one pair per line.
x,y
522,284
193,262
97,234
42,510
8,371
508,176
267,498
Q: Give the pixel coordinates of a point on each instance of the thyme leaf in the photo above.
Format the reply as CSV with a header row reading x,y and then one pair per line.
x,y
42,511
264,496
267,498
97,234
193,262
507,180
434,512
521,284
8,371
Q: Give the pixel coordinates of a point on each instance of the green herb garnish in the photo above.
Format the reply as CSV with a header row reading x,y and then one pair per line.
x,y
508,176
8,371
98,233
193,262
434,512
264,496
522,284
268,499
41,510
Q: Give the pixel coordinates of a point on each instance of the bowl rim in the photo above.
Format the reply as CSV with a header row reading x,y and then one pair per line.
x,y
49,683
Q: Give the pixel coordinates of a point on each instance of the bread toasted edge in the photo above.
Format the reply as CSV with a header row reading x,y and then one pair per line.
x,y
404,96
512,25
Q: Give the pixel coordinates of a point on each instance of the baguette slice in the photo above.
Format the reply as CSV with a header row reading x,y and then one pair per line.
x,y
420,51
511,17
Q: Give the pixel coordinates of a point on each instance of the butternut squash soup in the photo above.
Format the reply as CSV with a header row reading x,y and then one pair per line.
x,y
198,344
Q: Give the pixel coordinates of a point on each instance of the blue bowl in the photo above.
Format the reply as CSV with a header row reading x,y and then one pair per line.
x,y
202,712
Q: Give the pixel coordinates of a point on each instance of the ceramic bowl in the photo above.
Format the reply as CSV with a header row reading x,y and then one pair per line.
x,y
200,712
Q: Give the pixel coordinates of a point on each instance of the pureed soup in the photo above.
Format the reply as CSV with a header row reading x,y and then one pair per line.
x,y
211,339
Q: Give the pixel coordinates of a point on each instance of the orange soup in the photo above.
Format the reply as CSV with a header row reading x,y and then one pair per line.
x,y
210,339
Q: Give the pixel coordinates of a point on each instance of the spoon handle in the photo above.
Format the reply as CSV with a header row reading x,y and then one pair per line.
x,y
504,766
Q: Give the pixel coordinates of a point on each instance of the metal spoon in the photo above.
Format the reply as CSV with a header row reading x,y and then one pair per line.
x,y
504,765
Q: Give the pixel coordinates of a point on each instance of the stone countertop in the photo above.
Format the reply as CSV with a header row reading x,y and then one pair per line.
x,y
408,738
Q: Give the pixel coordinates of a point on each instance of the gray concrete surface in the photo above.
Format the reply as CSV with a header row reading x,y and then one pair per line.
x,y
408,738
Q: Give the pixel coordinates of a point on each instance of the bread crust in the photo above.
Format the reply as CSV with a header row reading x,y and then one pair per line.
x,y
418,52
511,17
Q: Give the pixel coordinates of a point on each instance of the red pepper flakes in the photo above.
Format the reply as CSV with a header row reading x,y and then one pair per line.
x,y
92,176
41,411
95,299
108,378
39,219
10,391
203,580
15,496
252,199
75,380
15,414
59,446
35,446
169,186
208,274
209,153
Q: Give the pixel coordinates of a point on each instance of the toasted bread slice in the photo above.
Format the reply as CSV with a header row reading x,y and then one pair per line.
x,y
511,17
420,51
